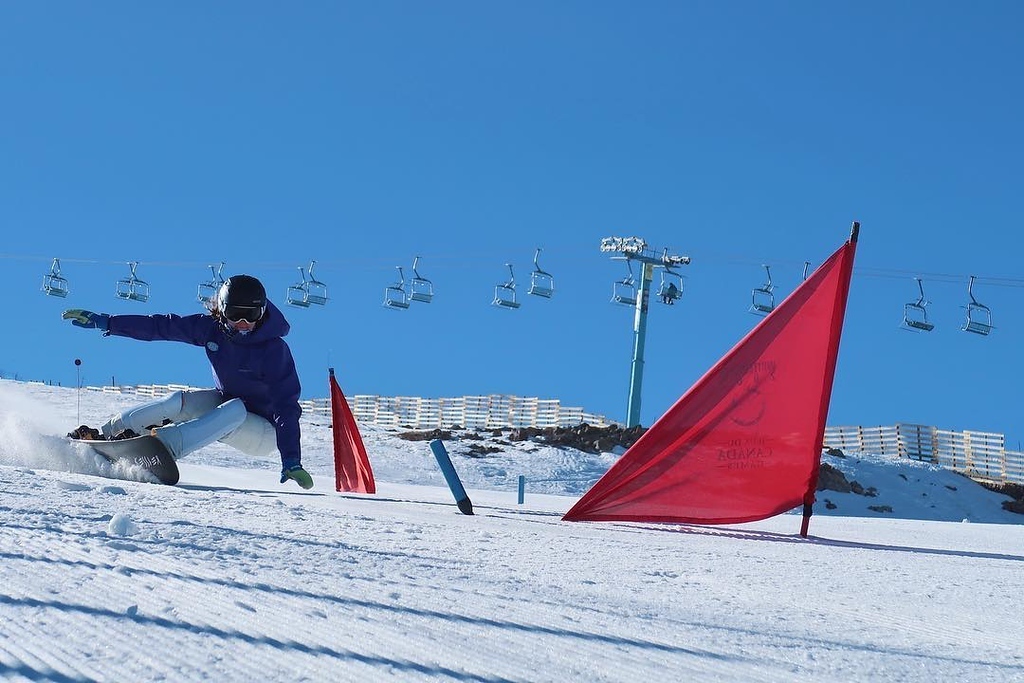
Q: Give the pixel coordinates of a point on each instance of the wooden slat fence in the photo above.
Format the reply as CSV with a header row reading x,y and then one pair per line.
x,y
497,411
979,455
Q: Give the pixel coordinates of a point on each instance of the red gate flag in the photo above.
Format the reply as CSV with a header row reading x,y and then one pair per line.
x,y
744,443
352,471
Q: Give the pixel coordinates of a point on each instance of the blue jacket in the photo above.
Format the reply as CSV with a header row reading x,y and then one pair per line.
x,y
257,368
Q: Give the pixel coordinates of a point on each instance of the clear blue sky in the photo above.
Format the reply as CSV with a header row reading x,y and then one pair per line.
x,y
360,135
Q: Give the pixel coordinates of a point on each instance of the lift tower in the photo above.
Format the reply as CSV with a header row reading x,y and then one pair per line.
x,y
636,249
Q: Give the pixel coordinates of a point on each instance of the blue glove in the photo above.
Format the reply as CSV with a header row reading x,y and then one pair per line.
x,y
299,475
87,319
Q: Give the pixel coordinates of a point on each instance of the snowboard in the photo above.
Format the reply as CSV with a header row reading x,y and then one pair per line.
x,y
147,452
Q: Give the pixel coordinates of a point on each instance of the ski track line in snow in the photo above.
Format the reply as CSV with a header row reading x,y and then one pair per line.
x,y
431,614
875,625
908,653
195,617
92,568
880,625
194,604
129,563
404,606
20,659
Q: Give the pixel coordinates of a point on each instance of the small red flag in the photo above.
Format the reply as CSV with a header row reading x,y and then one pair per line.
x,y
352,471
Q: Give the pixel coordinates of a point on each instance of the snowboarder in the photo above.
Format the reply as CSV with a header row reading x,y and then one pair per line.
x,y
255,407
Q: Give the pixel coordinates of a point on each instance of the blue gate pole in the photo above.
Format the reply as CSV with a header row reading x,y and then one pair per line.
x,y
636,375
452,477
522,489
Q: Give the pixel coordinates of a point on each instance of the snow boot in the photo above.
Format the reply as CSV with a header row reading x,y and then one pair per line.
x,y
298,475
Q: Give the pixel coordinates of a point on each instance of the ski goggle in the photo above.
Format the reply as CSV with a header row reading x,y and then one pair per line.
x,y
250,314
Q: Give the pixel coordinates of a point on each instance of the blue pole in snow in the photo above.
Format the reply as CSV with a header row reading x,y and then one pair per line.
x,y
450,476
522,489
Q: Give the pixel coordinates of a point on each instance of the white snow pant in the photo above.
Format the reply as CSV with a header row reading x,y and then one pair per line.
x,y
199,417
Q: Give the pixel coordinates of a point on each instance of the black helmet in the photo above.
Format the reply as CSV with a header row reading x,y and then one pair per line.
x,y
242,297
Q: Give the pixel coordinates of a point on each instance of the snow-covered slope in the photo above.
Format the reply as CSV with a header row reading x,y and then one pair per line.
x,y
233,577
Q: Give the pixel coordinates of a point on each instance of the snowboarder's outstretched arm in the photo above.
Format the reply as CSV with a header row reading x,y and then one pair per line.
x,y
191,329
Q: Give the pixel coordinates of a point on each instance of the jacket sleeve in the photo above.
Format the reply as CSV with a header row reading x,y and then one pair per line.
x,y
190,329
285,389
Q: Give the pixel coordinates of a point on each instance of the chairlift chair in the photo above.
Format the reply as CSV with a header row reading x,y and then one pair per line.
x,y
762,299
624,290
915,315
979,316
671,288
420,288
316,291
395,295
53,283
541,283
132,288
207,291
505,294
298,294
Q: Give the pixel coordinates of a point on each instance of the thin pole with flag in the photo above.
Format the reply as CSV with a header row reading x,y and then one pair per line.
x,y
838,315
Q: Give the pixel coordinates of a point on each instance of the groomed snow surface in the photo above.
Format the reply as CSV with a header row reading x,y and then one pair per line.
x,y
232,577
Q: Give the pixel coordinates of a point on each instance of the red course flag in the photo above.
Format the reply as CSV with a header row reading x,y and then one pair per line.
x,y
744,443
352,471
